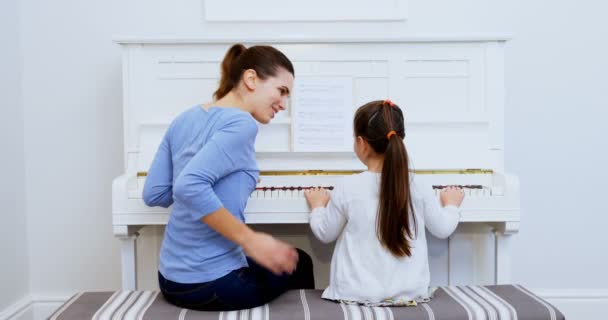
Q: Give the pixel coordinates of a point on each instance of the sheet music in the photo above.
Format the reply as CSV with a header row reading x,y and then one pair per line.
x,y
322,114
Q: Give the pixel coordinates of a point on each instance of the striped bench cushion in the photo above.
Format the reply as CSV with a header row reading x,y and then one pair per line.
x,y
450,303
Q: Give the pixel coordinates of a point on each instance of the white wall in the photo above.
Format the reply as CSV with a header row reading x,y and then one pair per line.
x,y
556,141
13,235
73,144
71,105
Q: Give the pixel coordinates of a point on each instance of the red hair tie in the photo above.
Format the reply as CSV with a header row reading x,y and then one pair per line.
x,y
390,134
389,102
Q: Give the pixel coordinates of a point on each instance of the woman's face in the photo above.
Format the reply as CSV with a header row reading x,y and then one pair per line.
x,y
270,95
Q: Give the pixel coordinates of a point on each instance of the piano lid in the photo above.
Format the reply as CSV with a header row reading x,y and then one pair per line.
x,y
451,93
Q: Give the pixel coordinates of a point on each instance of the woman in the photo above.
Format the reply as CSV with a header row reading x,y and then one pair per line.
x,y
205,166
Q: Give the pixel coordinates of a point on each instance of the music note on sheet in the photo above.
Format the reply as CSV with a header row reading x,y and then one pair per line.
x,y
322,114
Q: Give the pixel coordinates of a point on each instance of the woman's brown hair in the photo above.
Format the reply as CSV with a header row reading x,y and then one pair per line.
x,y
265,60
396,223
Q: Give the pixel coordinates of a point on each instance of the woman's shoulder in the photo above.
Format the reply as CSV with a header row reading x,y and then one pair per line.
x,y
218,117
187,116
237,116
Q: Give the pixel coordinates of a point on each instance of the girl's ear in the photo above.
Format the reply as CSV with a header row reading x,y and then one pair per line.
x,y
249,79
363,145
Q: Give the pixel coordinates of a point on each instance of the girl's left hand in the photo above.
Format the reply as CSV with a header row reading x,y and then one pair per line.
x,y
316,197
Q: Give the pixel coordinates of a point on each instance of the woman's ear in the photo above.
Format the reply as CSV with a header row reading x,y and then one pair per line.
x,y
250,79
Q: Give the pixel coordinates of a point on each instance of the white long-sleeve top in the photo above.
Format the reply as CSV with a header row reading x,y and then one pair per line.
x,y
362,269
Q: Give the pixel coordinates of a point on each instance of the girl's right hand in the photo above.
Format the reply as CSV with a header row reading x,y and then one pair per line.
x,y
451,196
316,197
274,255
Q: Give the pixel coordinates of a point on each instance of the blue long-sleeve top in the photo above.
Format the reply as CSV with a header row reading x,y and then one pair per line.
x,y
205,161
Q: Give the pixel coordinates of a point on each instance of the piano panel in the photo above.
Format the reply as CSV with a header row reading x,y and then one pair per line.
x,y
369,89
275,138
450,94
150,136
448,145
440,87
189,91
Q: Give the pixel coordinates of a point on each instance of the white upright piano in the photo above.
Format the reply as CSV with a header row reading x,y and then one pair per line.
x,y
451,91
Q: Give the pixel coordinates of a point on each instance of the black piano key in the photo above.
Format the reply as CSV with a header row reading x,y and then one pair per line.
x,y
292,188
441,187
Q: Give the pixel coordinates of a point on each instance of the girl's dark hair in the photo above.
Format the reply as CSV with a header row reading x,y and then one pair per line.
x,y
374,122
265,60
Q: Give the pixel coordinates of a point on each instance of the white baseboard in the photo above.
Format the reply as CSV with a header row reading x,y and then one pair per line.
x,y
575,304
33,307
18,308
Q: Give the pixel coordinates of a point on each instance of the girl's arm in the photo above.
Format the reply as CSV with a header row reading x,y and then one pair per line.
x,y
328,217
442,221
158,188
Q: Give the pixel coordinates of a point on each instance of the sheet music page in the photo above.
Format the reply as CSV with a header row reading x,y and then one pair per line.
x,y
322,114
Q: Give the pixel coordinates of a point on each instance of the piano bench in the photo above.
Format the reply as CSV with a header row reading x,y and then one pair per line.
x,y
449,303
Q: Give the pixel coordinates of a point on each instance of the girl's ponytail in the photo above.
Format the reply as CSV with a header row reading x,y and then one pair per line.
x,y
381,124
394,224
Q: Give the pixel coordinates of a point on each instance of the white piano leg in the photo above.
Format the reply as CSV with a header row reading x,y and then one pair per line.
x,y
450,268
502,262
128,251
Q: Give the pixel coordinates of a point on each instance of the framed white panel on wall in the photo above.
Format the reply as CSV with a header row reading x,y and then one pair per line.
x,y
302,11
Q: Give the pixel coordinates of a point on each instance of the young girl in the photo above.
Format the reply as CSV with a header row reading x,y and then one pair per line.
x,y
379,217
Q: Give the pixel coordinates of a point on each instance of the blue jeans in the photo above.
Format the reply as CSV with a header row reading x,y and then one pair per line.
x,y
244,288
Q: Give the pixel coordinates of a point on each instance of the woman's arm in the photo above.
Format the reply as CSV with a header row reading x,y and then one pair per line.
x,y
230,149
274,255
158,188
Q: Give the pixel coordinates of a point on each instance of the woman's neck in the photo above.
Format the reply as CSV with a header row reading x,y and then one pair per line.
x,y
232,99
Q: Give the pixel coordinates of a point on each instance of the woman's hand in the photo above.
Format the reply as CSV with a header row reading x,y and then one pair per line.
x,y
272,254
316,197
269,252
451,196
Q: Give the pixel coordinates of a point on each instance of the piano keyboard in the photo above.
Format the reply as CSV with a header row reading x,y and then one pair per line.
x,y
291,192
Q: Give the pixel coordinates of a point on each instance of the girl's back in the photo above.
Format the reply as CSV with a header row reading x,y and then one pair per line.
x,y
379,216
362,269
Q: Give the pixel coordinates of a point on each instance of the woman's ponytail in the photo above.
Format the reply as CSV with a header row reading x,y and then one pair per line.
x,y
226,83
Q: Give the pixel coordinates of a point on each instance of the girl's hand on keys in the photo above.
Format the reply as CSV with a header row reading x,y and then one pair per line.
x,y
316,197
451,196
